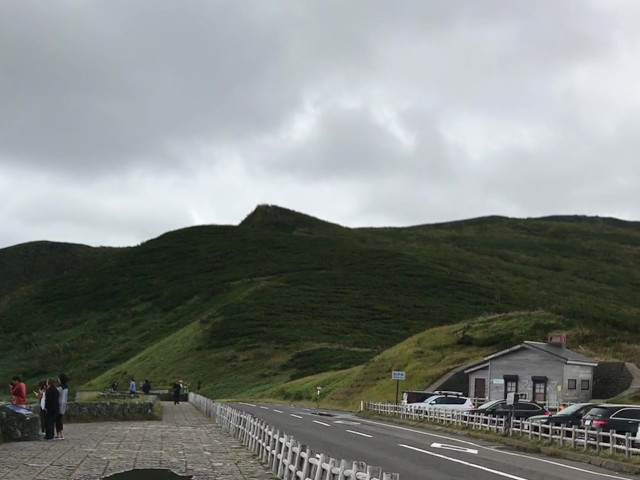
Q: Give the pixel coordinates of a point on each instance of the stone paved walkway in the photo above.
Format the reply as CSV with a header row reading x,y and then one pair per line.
x,y
186,442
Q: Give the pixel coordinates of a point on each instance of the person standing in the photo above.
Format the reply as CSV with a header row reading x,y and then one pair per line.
x,y
19,391
177,387
51,408
132,386
63,390
146,387
42,388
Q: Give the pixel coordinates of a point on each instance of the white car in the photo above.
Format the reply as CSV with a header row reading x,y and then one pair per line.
x,y
441,402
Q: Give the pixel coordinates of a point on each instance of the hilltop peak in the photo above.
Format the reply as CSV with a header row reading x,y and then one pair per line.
x,y
273,217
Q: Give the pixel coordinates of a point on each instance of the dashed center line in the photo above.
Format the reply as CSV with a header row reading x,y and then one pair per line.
x,y
278,411
294,415
359,433
321,423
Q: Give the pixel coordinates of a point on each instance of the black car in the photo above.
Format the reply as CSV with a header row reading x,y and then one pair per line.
x,y
570,416
621,418
501,409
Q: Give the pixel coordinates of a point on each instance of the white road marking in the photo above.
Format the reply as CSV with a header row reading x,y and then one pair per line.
x,y
359,433
455,448
321,423
278,411
570,467
504,452
263,407
468,464
347,422
249,404
422,432
294,415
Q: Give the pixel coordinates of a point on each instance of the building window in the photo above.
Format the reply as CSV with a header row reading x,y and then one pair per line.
x,y
584,384
572,384
539,389
510,384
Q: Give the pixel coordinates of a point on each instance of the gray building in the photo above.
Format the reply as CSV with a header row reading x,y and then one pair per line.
x,y
544,372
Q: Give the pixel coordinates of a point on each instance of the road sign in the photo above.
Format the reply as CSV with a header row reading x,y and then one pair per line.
x,y
397,375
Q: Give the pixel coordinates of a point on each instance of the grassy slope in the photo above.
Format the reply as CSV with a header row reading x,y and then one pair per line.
x,y
284,296
427,356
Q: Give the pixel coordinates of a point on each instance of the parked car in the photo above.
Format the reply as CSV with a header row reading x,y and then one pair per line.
x,y
501,409
608,416
442,402
415,396
570,416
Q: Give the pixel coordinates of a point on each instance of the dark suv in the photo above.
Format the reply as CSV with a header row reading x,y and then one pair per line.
x,y
570,416
621,418
501,409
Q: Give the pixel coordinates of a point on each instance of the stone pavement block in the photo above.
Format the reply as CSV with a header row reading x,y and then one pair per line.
x,y
184,442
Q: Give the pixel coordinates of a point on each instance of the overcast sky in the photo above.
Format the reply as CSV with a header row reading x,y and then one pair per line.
x,y
123,119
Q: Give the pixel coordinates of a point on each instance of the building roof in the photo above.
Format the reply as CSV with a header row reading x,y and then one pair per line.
x,y
571,357
568,356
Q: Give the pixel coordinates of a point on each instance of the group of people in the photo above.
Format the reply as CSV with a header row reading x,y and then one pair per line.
x,y
144,387
178,388
52,399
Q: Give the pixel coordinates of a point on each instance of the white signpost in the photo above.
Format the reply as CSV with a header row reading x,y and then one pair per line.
x,y
397,375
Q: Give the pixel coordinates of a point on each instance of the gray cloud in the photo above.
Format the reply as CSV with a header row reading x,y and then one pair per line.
x,y
121,120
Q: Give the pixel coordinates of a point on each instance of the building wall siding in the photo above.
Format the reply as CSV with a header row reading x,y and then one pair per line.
x,y
527,363
577,373
484,373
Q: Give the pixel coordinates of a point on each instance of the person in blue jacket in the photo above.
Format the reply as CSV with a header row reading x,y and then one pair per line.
x,y
132,386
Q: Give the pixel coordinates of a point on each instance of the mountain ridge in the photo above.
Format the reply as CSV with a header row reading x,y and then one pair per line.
x,y
283,296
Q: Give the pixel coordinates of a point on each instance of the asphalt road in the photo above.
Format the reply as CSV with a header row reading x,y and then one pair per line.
x,y
416,453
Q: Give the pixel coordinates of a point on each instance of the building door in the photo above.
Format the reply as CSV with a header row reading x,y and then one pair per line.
x,y
510,384
480,388
539,391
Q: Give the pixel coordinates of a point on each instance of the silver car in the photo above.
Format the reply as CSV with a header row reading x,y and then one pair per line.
x,y
442,402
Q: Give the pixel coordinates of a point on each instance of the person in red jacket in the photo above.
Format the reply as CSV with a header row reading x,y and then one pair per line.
x,y
19,391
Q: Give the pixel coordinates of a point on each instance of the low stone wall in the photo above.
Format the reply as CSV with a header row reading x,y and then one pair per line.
x,y
164,395
106,411
17,423
610,379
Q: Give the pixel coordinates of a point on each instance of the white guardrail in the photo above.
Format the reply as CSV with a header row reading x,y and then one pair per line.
x,y
285,457
626,444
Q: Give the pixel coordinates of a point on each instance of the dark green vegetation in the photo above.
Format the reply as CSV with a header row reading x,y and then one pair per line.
x,y
255,309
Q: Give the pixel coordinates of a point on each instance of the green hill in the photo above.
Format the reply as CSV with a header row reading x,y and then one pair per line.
x,y
271,304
